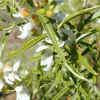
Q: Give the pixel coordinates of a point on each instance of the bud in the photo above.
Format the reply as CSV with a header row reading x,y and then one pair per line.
x,y
25,12
51,7
86,84
68,98
35,19
49,13
8,64
41,11
5,86
36,4
1,71
34,30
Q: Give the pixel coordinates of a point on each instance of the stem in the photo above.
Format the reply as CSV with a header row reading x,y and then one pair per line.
x,y
81,12
50,31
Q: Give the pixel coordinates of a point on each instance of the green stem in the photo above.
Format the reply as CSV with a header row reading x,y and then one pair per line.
x,y
81,12
50,31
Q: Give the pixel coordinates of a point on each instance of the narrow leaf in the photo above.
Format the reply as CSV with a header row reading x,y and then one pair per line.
x,y
34,58
60,93
48,28
74,73
81,12
83,91
84,35
28,44
51,33
3,2
83,61
2,47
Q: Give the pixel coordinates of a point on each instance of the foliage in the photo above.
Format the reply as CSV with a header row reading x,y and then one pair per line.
x,y
74,74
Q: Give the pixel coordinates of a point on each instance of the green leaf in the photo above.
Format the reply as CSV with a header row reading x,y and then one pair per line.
x,y
85,35
74,73
96,15
49,28
23,2
34,58
52,35
2,27
2,47
83,91
50,89
60,93
30,2
81,12
83,61
3,2
58,77
28,44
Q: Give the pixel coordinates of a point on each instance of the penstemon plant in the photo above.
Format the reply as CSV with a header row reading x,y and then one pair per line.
x,y
49,49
